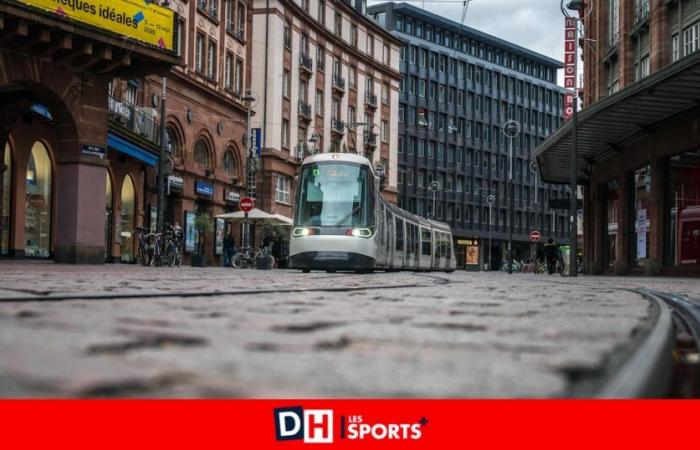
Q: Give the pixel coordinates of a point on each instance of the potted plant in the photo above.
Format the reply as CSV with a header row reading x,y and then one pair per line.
x,y
203,225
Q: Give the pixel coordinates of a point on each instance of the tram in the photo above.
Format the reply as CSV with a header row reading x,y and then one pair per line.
x,y
343,223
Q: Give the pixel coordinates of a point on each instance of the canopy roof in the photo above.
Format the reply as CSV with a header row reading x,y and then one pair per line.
x,y
256,215
614,122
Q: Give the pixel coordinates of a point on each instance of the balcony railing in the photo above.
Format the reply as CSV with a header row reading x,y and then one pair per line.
x,y
339,83
370,139
301,151
337,126
139,120
305,62
304,109
371,100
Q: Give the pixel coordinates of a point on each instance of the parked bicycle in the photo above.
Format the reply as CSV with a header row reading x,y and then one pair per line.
x,y
156,249
246,257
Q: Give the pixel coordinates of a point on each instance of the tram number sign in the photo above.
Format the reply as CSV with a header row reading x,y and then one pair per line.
x,y
246,204
535,236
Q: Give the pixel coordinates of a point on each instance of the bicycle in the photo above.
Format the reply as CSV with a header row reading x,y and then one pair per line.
x,y
243,258
144,246
263,259
172,243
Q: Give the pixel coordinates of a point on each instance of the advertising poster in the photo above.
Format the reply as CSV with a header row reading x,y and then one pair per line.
x,y
220,227
472,256
641,228
190,232
139,20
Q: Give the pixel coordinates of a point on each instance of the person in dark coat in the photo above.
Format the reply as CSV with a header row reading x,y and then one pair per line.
x,y
229,249
551,256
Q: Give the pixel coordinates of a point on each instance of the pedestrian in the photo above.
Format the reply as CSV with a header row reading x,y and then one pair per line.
x,y
229,249
551,256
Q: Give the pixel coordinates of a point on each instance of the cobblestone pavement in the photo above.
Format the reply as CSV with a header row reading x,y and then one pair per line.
x,y
147,332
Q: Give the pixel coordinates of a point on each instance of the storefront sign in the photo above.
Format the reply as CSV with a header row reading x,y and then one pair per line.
x,y
219,229
232,197
139,20
190,232
175,183
471,253
467,242
93,150
570,35
204,189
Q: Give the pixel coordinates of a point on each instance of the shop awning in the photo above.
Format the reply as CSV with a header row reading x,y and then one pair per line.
x,y
619,120
119,144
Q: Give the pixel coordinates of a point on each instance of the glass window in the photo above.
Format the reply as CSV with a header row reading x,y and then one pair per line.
x,y
128,207
6,186
284,186
335,195
642,204
37,228
229,163
201,154
683,210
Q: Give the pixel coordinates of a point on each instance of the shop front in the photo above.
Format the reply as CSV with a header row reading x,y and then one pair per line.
x,y
469,254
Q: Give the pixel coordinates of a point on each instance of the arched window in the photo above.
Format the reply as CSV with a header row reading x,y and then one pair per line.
x,y
37,220
229,162
128,196
172,145
201,154
5,198
108,216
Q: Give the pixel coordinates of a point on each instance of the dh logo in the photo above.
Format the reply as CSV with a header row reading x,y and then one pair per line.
x,y
314,426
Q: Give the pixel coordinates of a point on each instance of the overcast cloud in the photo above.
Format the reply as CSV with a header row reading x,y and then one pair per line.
x,y
534,24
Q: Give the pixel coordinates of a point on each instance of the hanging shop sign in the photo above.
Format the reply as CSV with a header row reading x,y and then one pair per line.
x,y
204,189
142,21
570,35
175,183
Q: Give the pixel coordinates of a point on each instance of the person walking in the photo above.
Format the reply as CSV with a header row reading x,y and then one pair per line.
x,y
229,248
551,256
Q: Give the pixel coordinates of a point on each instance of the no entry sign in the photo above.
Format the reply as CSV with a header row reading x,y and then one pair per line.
x,y
246,204
535,236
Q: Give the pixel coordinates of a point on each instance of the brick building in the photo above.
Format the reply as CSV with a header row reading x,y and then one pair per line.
x,y
326,79
639,137
54,77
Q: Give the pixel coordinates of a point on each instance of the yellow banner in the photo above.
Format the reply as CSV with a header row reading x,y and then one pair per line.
x,y
138,20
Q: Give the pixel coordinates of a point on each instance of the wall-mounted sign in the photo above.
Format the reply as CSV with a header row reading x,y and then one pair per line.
x,y
232,197
139,20
220,227
93,150
467,242
570,38
256,142
175,183
204,189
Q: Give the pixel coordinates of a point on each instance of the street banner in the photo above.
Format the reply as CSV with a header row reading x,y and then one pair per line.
x,y
346,424
140,20
570,37
256,142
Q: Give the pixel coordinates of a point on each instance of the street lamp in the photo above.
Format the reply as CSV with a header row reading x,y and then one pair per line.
x,y
250,99
434,187
490,199
576,10
511,130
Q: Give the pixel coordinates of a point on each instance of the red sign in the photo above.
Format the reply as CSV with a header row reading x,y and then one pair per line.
x,y
568,106
570,35
535,236
247,204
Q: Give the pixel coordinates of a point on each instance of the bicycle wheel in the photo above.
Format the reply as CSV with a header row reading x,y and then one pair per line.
x,y
169,254
144,254
239,261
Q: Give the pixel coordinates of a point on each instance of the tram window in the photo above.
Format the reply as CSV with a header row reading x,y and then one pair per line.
x,y
409,239
427,242
449,247
399,234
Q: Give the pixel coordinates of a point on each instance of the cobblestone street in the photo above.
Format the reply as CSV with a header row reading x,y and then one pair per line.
x,y
79,331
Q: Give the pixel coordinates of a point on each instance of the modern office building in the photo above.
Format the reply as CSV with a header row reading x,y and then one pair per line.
x,y
459,87
638,135
326,79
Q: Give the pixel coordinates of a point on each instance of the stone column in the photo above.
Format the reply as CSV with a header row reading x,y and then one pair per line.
x,y
625,214
657,208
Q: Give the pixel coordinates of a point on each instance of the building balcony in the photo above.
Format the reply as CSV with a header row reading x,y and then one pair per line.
x,y
301,151
370,139
304,110
306,64
338,83
371,100
337,126
138,120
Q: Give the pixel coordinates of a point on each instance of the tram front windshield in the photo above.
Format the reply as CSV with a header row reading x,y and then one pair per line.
x,y
335,195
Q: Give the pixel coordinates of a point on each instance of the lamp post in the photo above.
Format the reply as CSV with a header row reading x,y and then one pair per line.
x,y
576,11
434,187
161,162
490,199
250,100
511,130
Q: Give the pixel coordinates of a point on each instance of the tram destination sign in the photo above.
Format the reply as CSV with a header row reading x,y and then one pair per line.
x,y
140,20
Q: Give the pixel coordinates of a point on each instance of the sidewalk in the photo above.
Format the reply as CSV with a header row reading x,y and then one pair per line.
x,y
286,334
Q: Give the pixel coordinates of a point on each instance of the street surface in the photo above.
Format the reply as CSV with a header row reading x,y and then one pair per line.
x,y
128,331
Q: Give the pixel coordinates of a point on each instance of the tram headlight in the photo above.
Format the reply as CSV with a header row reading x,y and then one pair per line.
x,y
362,232
301,231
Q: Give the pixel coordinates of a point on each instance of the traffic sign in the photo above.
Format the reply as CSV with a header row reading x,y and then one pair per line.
x,y
535,236
246,204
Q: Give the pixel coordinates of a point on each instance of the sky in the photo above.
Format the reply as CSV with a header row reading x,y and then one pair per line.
x,y
534,24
